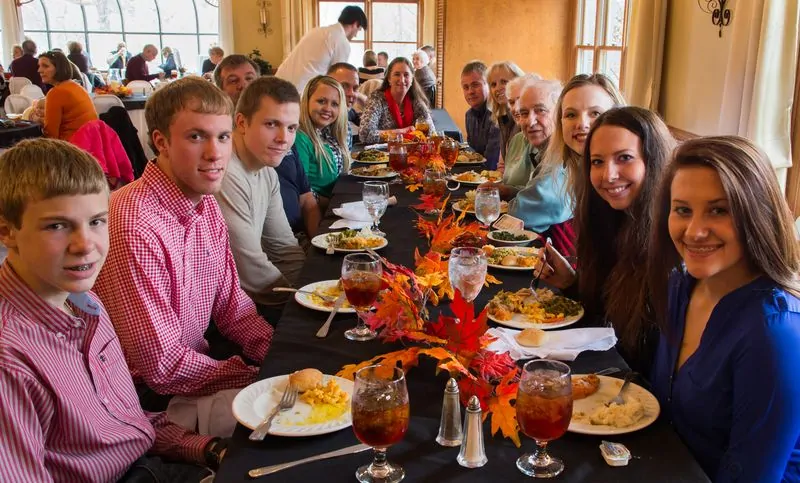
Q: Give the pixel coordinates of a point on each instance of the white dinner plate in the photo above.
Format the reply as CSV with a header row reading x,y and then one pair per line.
x,y
480,180
457,207
320,241
526,250
382,160
609,387
391,174
519,321
305,299
255,401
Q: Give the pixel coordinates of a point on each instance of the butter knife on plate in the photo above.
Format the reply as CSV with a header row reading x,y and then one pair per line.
x,y
268,470
323,331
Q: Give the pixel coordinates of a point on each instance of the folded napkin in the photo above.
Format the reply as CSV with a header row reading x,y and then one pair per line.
x,y
377,146
355,215
562,345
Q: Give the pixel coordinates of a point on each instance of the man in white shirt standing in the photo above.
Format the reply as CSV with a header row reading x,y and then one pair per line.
x,y
322,47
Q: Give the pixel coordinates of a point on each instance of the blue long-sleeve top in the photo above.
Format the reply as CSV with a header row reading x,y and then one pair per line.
x,y
483,135
543,202
735,402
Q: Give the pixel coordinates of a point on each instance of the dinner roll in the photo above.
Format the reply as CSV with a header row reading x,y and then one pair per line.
x,y
532,337
509,261
305,379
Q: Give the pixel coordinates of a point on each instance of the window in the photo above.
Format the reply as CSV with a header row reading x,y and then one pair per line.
x,y
601,37
394,26
189,27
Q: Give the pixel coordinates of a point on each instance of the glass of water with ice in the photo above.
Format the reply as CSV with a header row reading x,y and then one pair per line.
x,y
467,270
376,198
487,204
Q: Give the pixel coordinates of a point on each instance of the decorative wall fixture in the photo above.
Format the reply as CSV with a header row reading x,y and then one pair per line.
x,y
263,11
720,15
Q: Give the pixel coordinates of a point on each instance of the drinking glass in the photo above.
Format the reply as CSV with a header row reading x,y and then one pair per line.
x,y
434,182
544,409
361,278
422,126
487,204
467,270
375,195
398,158
380,413
448,150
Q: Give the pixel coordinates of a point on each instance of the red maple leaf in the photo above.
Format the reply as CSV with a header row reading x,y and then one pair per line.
x,y
474,387
464,331
492,366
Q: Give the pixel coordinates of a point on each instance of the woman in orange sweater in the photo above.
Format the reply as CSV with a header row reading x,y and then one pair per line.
x,y
68,105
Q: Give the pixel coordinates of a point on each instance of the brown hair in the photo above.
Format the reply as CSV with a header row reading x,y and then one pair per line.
x,y
370,58
216,50
474,66
764,223
417,96
612,244
62,64
192,93
42,169
233,61
277,89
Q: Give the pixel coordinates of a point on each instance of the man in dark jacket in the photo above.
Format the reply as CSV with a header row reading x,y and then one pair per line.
x,y
27,65
137,66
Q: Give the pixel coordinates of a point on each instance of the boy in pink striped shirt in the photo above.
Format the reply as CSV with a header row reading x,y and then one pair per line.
x,y
68,407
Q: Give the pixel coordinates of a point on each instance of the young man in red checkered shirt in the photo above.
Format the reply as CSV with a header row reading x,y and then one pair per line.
x,y
170,269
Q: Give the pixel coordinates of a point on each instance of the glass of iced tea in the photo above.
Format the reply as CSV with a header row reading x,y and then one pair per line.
x,y
544,409
448,150
380,413
361,279
398,158
423,127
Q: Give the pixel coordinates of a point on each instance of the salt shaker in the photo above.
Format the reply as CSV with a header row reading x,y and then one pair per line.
x,y
472,454
450,424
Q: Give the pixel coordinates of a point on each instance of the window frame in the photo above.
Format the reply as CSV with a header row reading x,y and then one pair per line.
x,y
599,47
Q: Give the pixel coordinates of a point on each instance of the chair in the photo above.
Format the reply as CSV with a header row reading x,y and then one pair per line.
x,y
102,142
104,102
140,87
15,84
17,103
32,92
87,84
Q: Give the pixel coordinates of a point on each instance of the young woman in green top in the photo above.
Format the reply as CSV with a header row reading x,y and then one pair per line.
x,y
322,139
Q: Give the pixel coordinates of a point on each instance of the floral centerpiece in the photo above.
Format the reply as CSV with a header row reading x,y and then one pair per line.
x,y
114,89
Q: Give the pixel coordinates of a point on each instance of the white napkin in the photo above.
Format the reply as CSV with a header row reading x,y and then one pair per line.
x,y
355,215
562,345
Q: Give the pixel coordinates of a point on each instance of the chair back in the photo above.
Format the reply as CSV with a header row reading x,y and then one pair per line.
x,y
140,87
104,102
17,103
15,84
87,84
32,92
370,86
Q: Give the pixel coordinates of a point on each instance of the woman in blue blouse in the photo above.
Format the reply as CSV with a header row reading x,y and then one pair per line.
x,y
727,364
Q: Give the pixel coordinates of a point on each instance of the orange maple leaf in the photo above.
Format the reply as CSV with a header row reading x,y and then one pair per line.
x,y
405,358
501,409
413,187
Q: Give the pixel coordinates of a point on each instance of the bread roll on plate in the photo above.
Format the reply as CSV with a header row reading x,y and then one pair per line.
x,y
532,337
305,379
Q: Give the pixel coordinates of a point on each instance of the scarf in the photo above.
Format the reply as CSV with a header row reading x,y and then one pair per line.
x,y
407,119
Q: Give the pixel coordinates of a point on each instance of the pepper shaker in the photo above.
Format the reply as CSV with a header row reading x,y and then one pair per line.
x,y
472,454
450,424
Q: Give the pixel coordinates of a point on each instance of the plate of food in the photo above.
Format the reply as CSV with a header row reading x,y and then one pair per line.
x,y
469,157
476,178
590,415
511,258
375,171
521,310
468,204
372,156
320,291
512,237
350,241
323,404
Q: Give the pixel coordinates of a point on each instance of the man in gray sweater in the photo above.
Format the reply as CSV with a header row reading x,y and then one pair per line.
x,y
266,252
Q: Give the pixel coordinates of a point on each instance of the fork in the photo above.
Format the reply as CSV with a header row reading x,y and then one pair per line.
x,y
287,402
618,399
542,262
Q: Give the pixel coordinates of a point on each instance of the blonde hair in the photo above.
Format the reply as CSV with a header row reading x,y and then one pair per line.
x,y
339,125
190,93
40,169
501,108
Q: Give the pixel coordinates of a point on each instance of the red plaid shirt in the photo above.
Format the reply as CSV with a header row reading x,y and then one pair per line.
x,y
169,272
68,409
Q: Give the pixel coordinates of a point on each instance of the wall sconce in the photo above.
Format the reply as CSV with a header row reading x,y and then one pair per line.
x,y
263,11
720,15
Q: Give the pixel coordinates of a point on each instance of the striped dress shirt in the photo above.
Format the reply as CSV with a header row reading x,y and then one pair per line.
x,y
68,408
169,272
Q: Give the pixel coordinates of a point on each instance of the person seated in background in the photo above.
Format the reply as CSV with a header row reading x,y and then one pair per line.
x,y
725,372
234,73
68,105
346,75
428,49
27,65
119,58
483,135
424,76
68,406
215,56
16,52
370,70
266,252
169,66
170,269
81,60
396,106
498,76
137,69
322,140
383,60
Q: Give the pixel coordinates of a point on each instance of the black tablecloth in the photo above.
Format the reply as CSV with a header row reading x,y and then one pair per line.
x,y
445,124
658,453
136,101
12,135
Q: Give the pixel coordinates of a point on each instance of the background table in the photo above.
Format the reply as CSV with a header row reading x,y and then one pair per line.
x,y
659,455
135,107
12,135
445,124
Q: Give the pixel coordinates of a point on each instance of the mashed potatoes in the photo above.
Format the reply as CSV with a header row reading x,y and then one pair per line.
x,y
618,416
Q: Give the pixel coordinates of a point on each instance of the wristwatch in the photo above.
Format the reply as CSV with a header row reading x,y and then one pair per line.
x,y
215,451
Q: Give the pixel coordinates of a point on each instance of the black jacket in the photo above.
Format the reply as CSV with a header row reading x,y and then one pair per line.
x,y
117,117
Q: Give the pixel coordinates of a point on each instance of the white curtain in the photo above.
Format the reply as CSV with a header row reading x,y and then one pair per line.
x,y
297,18
641,82
13,33
226,26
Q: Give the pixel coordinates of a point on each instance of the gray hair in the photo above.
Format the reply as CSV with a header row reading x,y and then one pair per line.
x,y
423,57
552,88
521,82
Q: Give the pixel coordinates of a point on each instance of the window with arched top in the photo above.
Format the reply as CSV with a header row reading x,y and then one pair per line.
x,y
189,26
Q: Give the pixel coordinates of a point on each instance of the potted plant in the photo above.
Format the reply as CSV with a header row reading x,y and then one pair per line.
x,y
255,56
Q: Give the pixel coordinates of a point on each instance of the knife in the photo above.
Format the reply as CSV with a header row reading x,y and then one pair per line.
x,y
323,331
268,470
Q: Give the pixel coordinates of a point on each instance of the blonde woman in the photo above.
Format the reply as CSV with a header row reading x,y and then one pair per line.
x,y
322,139
498,76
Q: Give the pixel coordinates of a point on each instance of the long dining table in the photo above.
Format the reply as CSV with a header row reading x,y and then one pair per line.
x,y
658,453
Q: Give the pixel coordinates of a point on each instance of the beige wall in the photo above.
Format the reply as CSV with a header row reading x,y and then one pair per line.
x,y
246,36
533,33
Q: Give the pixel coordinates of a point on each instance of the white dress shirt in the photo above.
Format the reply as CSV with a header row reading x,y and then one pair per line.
x,y
317,50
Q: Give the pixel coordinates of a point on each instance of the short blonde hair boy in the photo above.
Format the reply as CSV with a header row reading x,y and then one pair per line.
x,y
40,169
